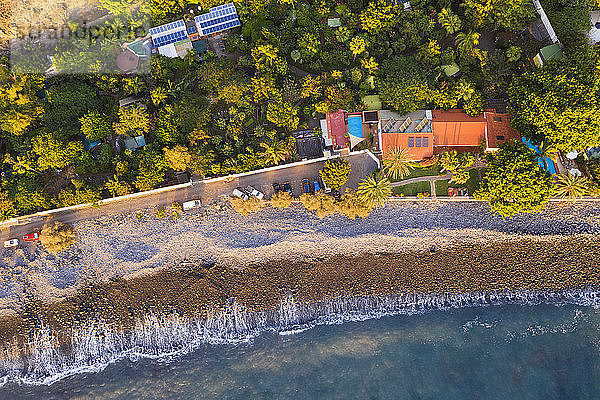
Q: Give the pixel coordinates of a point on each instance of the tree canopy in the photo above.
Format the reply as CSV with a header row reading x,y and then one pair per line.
x,y
560,103
514,181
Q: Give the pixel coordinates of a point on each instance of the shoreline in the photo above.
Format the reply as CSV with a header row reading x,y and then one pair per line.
x,y
149,287
175,308
168,337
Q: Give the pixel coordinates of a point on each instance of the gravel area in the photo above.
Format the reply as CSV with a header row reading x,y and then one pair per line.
x,y
138,243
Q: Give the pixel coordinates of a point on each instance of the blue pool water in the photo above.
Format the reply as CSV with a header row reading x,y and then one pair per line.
x,y
549,163
494,352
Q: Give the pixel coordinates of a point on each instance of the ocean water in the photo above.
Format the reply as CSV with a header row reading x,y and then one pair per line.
x,y
494,352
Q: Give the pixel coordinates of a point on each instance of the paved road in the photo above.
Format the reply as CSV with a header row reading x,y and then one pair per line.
x,y
362,165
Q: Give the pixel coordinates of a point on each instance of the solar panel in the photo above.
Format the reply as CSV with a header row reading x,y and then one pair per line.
x,y
405,124
421,124
217,19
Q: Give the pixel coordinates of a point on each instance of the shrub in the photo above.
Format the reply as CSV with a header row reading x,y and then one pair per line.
x,y
246,207
57,236
281,200
160,212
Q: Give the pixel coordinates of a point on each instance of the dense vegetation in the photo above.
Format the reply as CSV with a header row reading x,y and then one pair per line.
x,y
285,67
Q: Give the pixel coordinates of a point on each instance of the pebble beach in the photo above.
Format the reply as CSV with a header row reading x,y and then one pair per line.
x,y
126,269
137,244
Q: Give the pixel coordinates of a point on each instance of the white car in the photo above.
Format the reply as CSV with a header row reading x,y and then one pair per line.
x,y
189,205
11,243
238,193
254,192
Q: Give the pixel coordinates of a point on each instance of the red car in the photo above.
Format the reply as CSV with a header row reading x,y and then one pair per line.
x,y
31,237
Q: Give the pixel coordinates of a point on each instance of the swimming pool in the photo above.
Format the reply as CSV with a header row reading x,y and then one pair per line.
x,y
550,164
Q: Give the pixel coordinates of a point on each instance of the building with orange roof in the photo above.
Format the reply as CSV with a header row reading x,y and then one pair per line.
x,y
499,130
425,133
455,130
411,132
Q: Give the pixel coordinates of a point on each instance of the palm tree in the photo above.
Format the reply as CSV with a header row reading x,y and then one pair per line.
x,y
398,163
374,190
265,54
548,151
449,21
275,151
571,186
464,90
466,42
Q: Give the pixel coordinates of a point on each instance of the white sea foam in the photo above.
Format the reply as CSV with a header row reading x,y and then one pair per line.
x,y
96,345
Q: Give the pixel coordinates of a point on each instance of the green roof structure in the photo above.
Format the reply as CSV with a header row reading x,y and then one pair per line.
x,y
200,46
137,48
373,102
551,52
451,69
334,22
547,53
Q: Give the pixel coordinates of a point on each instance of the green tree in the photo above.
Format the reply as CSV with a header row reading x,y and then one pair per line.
x,y
374,190
283,114
335,172
132,121
380,15
54,150
513,15
7,207
571,186
467,42
513,53
95,126
457,164
178,157
67,102
167,126
134,85
514,181
277,150
559,104
398,163
449,21
151,168
358,45
117,187
84,193
404,94
19,106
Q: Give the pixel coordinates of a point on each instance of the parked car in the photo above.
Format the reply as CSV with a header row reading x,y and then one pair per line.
x,y
11,243
316,185
306,185
253,192
31,237
189,205
276,187
326,188
288,188
237,192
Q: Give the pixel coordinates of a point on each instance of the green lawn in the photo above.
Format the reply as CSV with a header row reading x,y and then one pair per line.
x,y
412,189
417,172
441,187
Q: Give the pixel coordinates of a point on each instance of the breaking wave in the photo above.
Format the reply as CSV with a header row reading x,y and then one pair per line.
x,y
94,346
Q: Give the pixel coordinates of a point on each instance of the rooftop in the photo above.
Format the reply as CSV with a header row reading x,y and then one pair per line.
x,y
454,128
499,130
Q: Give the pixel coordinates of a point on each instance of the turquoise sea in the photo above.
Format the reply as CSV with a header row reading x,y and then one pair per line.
x,y
493,352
